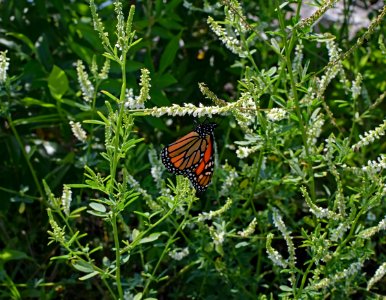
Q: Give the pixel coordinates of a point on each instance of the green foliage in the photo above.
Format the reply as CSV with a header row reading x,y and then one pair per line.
x,y
296,208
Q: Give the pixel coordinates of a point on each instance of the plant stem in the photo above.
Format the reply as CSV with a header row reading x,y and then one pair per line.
x,y
256,178
288,46
305,274
113,170
22,148
115,161
170,240
117,256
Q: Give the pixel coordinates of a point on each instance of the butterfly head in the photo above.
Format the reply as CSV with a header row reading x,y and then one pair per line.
x,y
205,129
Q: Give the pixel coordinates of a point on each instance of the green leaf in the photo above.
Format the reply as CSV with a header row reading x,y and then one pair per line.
x,y
24,39
275,46
111,96
10,254
286,288
78,186
51,118
241,244
83,266
57,82
135,233
78,210
168,56
88,276
98,207
150,238
97,214
28,101
95,122
164,81
72,103
145,214
138,296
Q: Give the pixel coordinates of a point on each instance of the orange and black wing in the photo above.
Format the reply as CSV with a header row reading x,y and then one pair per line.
x,y
184,154
202,175
192,156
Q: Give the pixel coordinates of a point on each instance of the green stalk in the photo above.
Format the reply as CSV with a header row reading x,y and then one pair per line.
x,y
113,171
255,180
115,161
170,240
25,155
288,49
304,278
117,256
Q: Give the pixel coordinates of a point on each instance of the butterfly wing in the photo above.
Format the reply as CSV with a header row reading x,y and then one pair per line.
x,y
183,154
192,156
202,175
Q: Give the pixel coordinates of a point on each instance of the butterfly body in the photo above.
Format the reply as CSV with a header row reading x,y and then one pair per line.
x,y
192,156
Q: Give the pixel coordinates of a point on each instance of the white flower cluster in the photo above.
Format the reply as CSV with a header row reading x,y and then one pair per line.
x,y
315,127
370,136
104,71
211,214
249,230
178,254
85,84
218,234
379,273
157,167
78,131
4,65
353,269
278,222
229,180
298,57
276,114
369,232
130,103
121,33
375,166
246,113
66,199
145,88
323,82
356,86
98,26
319,212
230,42
235,15
244,152
337,233
187,109
274,255
243,109
58,234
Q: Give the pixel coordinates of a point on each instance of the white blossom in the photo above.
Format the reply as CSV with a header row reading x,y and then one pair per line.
x,y
370,136
85,84
249,230
276,114
379,273
66,199
78,131
4,65
211,214
178,254
230,42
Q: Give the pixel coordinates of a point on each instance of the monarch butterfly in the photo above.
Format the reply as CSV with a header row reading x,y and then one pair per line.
x,y
192,156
